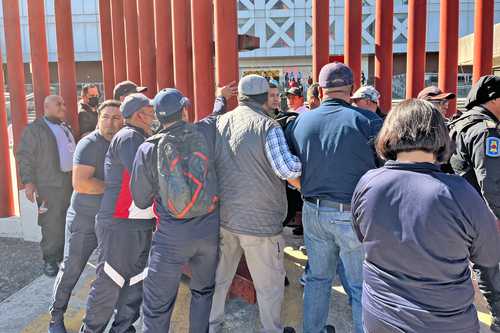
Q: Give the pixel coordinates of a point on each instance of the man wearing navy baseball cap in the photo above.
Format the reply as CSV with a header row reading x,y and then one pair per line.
x,y
333,144
187,207
123,230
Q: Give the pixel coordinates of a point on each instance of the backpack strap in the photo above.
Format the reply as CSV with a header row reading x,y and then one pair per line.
x,y
155,138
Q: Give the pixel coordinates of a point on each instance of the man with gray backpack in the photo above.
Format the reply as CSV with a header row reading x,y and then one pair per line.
x,y
174,170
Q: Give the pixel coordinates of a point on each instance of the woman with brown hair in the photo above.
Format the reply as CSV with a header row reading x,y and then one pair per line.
x,y
419,228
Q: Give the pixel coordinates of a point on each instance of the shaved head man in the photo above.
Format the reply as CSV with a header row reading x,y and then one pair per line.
x,y
45,158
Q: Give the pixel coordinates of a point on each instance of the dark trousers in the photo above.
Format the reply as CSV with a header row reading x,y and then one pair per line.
x,y
488,279
123,255
53,221
167,257
81,241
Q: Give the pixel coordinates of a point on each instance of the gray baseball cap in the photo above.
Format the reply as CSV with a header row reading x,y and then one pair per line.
x,y
253,84
335,74
133,103
367,92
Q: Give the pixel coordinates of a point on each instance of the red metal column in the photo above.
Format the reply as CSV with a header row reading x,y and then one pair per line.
x,y
448,49
132,40
6,194
352,38
181,36
15,68
320,35
415,57
163,37
106,48
66,61
118,33
483,38
384,10
201,18
226,43
39,55
147,45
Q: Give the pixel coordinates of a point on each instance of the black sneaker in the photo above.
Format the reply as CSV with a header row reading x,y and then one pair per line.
x,y
298,231
287,282
50,269
57,327
329,329
289,330
495,324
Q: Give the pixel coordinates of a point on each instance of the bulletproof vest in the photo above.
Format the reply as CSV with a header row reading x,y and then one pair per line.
x,y
460,126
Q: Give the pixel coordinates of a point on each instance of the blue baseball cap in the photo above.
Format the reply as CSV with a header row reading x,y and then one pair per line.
x,y
133,103
335,74
169,101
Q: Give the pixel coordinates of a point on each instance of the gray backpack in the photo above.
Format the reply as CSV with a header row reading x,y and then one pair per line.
x,y
186,173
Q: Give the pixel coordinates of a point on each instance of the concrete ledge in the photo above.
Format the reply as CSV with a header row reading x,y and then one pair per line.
x,y
24,226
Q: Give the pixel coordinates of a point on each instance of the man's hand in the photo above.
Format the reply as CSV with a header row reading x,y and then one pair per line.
x,y
30,191
228,90
295,183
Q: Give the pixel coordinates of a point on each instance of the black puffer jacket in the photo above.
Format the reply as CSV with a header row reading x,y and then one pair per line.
x,y
38,156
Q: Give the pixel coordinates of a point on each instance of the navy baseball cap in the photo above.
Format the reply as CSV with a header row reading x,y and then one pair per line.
x,y
168,102
335,74
133,103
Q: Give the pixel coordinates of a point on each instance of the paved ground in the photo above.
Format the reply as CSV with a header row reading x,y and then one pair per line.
x,y
20,263
26,310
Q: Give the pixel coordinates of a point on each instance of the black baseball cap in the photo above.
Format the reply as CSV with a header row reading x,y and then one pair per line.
x,y
125,88
484,90
294,91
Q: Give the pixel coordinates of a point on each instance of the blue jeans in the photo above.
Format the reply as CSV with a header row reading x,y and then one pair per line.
x,y
328,236
340,272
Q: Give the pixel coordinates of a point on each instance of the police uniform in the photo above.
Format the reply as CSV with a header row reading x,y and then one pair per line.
x,y
477,158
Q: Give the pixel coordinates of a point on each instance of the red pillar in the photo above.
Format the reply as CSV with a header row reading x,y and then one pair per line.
x,y
39,56
226,43
132,40
181,37
66,61
106,48
147,45
384,10
163,37
118,33
415,57
201,18
448,49
15,68
352,38
320,35
483,38
6,194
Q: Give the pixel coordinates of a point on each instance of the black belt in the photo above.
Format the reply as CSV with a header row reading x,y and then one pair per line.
x,y
328,203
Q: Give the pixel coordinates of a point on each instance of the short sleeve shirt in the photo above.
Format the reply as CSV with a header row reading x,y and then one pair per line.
x,y
90,151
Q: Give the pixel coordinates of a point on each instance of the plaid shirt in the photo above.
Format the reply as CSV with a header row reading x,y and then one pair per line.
x,y
284,164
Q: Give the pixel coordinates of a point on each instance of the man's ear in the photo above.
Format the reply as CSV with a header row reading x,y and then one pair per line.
x,y
320,93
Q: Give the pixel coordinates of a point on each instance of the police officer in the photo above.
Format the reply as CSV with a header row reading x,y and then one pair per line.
x,y
88,180
477,158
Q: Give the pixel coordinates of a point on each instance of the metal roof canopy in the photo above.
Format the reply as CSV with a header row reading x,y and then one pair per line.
x,y
466,48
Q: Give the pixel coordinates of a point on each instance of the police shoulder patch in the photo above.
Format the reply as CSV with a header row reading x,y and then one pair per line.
x,y
492,146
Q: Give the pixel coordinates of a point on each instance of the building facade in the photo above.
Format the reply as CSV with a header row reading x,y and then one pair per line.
x,y
285,32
